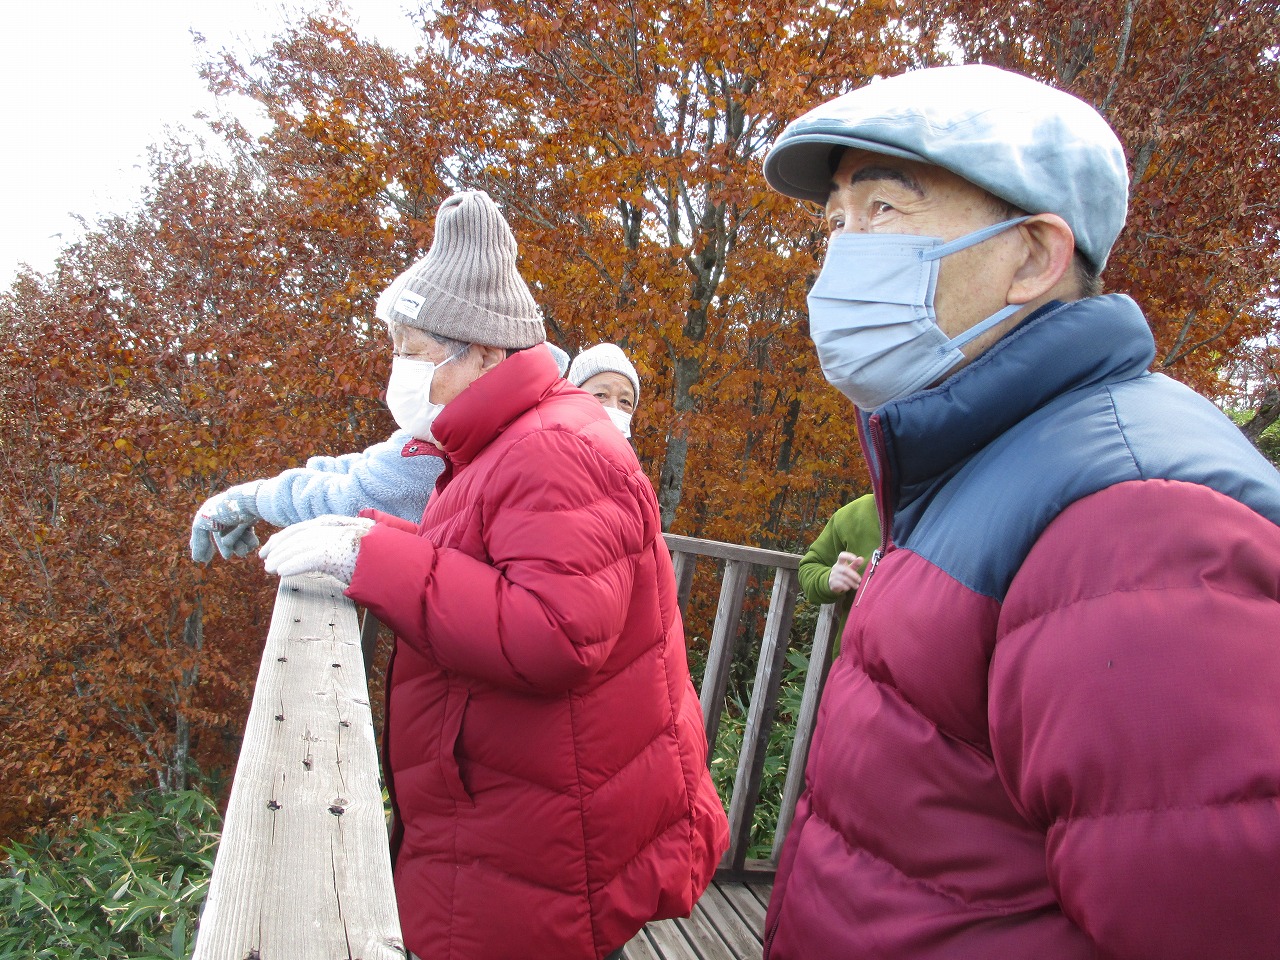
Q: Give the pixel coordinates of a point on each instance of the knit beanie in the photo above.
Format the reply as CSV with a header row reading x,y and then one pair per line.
x,y
603,358
562,358
467,287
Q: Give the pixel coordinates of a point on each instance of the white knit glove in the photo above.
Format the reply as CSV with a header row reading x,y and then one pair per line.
x,y
226,521
328,544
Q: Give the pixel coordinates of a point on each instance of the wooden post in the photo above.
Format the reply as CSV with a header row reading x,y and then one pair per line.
x,y
824,635
303,870
760,714
724,637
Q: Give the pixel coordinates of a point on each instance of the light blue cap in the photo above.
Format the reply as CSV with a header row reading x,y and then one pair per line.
x,y
1035,146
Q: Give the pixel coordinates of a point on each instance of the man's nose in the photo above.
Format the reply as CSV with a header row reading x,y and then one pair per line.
x,y
610,402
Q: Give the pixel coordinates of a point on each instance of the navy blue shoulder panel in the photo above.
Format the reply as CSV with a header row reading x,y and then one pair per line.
x,y
979,525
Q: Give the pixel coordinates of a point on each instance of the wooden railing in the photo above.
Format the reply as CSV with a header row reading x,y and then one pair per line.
x,y
303,869
738,561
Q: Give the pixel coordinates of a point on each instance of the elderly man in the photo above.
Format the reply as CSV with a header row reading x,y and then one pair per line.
x,y
1053,730
544,746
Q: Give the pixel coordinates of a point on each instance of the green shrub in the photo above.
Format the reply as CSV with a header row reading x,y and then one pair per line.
x,y
130,885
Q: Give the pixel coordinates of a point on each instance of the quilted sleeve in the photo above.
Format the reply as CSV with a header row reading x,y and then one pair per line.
x,y
380,477
564,530
1135,718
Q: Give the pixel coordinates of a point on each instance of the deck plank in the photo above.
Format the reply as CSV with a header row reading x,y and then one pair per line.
x,y
762,891
727,924
670,942
703,935
639,948
742,939
746,903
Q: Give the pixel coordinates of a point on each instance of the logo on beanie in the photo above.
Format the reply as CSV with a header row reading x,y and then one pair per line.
x,y
409,303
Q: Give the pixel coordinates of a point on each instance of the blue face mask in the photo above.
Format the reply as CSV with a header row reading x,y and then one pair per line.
x,y
871,314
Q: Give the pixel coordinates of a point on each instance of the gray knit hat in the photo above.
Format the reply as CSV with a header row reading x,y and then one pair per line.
x,y
603,358
562,358
467,287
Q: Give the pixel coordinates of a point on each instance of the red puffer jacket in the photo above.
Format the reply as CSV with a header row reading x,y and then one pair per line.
x,y
544,744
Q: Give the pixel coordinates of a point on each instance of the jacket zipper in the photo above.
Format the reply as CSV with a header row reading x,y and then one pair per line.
x,y
876,445
872,441
866,580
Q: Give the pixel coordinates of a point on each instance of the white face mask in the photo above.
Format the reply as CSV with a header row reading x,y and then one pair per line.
x,y
621,419
409,395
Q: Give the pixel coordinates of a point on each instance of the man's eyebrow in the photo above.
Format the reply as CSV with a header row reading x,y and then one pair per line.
x,y
883,173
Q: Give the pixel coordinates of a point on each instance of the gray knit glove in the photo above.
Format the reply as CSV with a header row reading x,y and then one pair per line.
x,y
226,521
328,544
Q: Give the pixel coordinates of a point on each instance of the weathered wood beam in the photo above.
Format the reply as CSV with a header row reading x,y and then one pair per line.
x,y
303,870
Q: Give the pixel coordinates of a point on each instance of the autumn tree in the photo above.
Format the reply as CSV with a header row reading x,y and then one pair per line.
x,y
1193,90
625,147
175,350
224,329
106,671
626,144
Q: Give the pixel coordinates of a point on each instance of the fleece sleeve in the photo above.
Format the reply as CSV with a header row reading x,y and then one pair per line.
x,y
543,609
815,566
381,477
855,527
1135,719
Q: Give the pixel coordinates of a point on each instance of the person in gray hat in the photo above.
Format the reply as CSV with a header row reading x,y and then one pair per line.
x,y
395,476
1052,729
543,744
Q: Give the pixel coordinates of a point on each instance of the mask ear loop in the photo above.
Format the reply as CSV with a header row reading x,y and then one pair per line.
x,y
963,243
454,356
971,239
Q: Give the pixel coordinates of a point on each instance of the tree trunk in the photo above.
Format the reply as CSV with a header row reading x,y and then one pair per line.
x,y
179,756
1264,415
671,479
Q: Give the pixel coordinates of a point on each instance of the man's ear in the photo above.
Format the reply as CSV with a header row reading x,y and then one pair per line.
x,y
490,357
1050,247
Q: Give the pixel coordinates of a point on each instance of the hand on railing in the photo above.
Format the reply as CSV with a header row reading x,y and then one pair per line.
x,y
328,544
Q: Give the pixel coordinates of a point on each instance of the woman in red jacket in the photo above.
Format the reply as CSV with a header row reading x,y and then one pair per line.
x,y
543,743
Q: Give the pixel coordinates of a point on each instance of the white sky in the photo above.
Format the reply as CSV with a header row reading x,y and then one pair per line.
x,y
88,85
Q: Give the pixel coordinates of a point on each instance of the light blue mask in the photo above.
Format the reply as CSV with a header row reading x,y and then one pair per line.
x,y
871,314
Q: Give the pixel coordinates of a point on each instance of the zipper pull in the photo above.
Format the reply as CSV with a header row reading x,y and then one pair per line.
x,y
866,580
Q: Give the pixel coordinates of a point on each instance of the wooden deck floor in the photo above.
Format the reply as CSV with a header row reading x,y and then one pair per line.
x,y
728,922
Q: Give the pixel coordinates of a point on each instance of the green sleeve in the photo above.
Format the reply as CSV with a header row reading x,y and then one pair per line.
x,y
855,527
858,527
815,565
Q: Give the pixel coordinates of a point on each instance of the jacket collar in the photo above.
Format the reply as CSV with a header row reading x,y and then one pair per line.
x,y
472,420
1059,348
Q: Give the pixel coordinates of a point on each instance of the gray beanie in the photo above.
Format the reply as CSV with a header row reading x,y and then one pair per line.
x,y
467,287
562,358
603,358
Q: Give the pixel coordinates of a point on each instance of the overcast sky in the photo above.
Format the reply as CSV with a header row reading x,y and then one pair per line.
x,y
88,85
